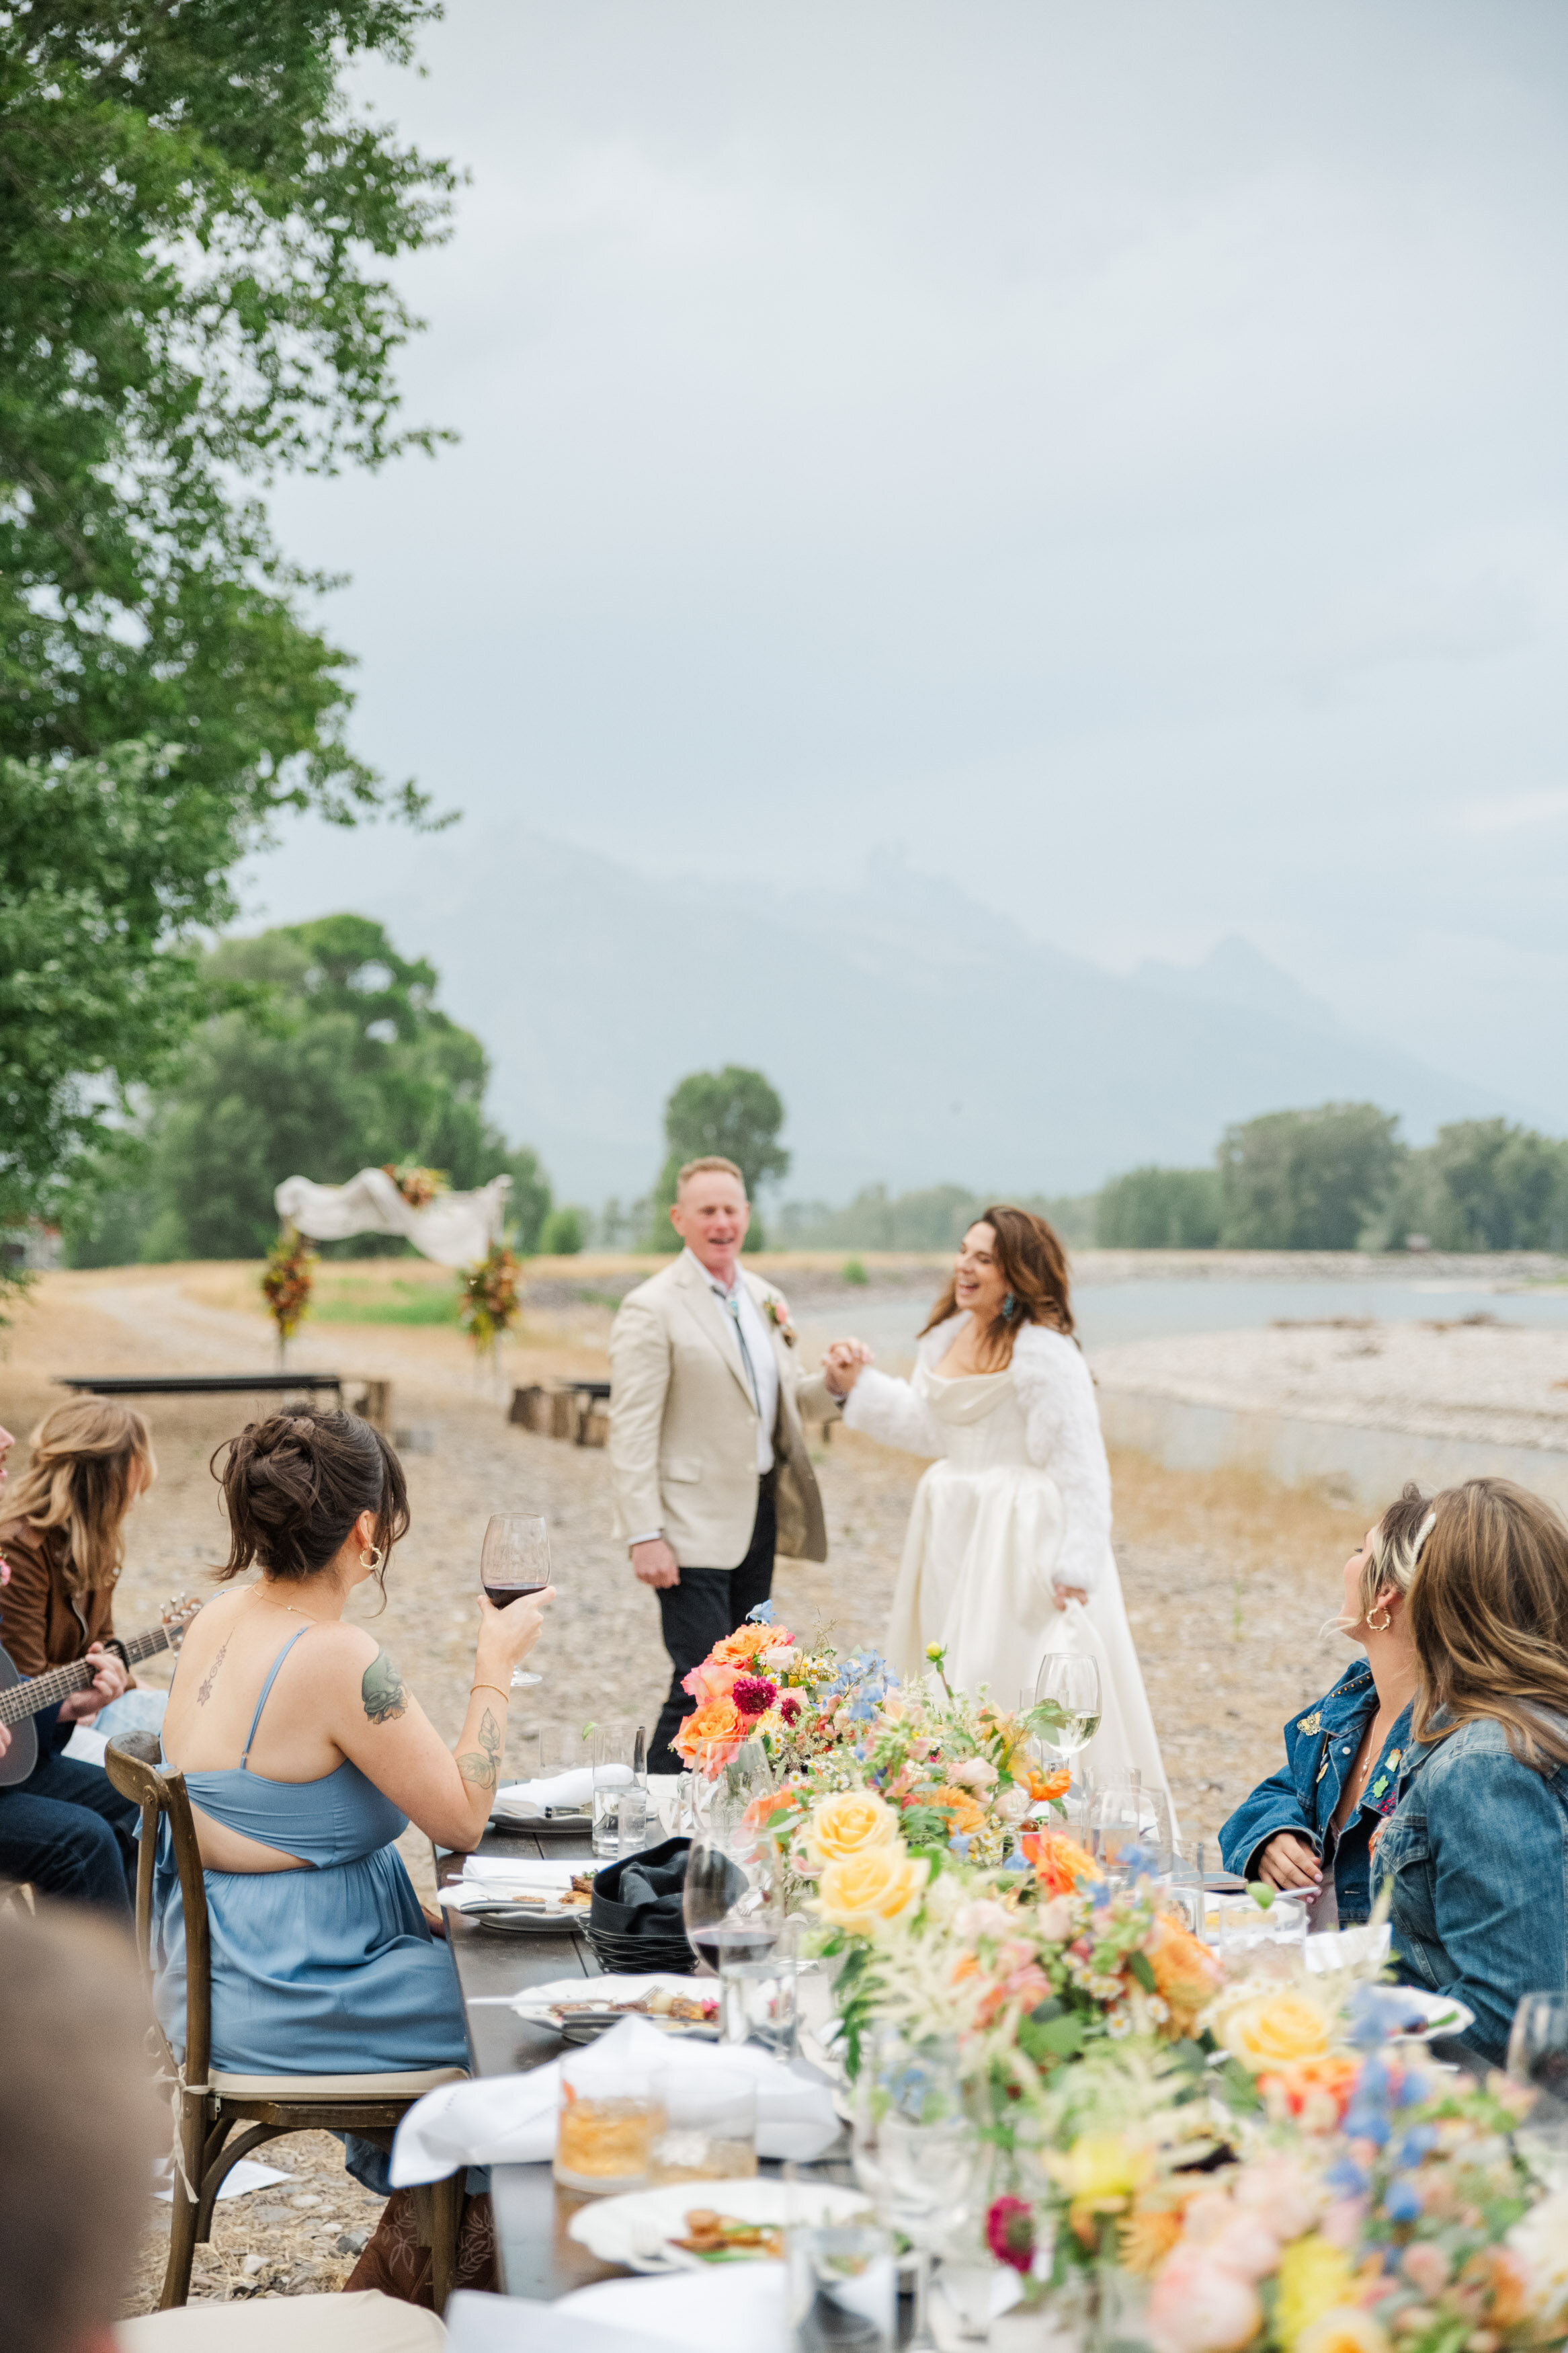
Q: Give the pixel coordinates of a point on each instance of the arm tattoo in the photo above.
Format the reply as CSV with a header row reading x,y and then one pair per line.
x,y
482,1766
381,1689
205,1688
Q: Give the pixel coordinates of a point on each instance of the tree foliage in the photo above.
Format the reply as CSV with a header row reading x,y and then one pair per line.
x,y
1305,1179
1160,1209
193,221
338,1059
733,1114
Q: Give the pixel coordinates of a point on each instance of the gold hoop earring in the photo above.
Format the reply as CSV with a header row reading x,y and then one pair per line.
x,y
1373,1625
372,1559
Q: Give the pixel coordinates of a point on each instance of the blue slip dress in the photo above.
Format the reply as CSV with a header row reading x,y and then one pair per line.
x,y
324,1971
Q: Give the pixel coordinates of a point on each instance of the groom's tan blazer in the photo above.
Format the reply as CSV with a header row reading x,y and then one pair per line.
x,y
683,1427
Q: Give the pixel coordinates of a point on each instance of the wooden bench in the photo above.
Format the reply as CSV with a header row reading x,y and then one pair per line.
x,y
375,1400
577,1411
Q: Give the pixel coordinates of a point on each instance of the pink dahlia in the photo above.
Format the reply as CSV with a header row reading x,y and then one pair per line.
x,y
1010,2232
789,1707
754,1695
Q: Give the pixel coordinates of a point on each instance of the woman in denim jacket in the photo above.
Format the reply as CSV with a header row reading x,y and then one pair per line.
x,y
1308,1830
1477,1852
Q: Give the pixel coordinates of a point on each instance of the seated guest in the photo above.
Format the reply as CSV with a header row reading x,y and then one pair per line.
x,y
305,1756
1308,1829
65,1828
1474,1852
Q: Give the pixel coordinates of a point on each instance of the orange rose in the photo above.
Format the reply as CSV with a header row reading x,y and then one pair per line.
x,y
964,1814
1315,2088
750,1642
1048,1785
1186,1973
717,1719
1059,1862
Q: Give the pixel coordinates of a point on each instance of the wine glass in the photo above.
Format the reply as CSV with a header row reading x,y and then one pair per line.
x,y
1068,1680
1537,2057
917,2153
514,1561
725,1906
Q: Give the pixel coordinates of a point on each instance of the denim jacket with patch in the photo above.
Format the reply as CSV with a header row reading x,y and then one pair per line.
x,y
1476,1855
1320,1744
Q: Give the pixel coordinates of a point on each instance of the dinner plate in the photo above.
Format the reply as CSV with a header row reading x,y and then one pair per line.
x,y
637,2228
1434,2017
542,1825
592,2004
529,1920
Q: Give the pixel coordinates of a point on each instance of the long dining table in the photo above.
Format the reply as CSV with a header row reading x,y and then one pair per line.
x,y
531,2210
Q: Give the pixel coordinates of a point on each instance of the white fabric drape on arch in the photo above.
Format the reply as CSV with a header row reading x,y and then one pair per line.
x,y
455,1229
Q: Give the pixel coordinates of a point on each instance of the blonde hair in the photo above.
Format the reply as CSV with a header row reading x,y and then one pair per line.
x,y
78,1478
1395,1548
710,1160
1488,1615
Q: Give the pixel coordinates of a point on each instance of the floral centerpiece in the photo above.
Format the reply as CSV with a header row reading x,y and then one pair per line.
x,y
419,1186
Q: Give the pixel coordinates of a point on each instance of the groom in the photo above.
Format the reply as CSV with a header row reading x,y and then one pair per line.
x,y
706,1454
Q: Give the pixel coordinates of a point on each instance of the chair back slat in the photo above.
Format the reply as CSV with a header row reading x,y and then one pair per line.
x,y
159,1793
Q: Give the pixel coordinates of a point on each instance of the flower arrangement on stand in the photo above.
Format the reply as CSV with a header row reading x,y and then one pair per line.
x,y
286,1283
487,1300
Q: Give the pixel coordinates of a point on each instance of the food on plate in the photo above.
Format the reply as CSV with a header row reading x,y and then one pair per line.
x,y
660,2002
722,2238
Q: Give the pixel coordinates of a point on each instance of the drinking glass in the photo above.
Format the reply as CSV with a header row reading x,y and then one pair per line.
x,y
757,2001
726,1907
514,1561
916,2152
843,2288
614,1748
608,2118
1126,1830
709,2128
1069,1680
1537,2057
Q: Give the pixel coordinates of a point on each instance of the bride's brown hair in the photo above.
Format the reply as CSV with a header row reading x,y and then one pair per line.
x,y
1035,1266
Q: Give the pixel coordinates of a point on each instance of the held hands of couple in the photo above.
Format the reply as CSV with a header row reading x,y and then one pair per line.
x,y
843,1364
507,1636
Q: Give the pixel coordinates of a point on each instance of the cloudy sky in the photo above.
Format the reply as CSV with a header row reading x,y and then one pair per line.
x,y
1116,451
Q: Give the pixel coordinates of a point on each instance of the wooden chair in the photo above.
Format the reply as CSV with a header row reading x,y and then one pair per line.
x,y
210,2102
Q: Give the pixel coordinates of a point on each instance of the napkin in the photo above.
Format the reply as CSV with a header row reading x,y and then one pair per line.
x,y
477,2323
705,2312
561,1790
640,1895
511,2119
608,1988
537,1873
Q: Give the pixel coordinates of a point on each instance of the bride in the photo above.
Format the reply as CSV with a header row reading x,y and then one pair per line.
x,y
1010,1525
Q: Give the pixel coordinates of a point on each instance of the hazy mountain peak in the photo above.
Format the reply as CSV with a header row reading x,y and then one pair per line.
x,y
1235,973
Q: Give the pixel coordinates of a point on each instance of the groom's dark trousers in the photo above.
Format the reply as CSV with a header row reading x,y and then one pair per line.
x,y
708,1604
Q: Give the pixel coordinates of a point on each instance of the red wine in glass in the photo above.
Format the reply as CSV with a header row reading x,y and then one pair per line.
x,y
514,1561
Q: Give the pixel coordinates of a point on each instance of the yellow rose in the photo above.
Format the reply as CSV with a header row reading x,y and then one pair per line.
x,y
1099,2166
1314,2280
1346,2329
1272,2027
863,1892
851,1822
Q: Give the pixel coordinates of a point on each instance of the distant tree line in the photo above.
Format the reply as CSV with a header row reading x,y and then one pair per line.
x,y
1339,1177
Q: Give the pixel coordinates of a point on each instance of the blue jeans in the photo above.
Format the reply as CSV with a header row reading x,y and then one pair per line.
x,y
67,1830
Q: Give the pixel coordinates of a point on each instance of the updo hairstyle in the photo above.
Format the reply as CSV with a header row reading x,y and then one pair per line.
x,y
294,1484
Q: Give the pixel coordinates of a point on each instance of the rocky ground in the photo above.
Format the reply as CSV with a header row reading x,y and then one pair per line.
x,y
1228,1580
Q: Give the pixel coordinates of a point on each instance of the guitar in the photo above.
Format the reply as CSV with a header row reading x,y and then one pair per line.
x,y
22,1697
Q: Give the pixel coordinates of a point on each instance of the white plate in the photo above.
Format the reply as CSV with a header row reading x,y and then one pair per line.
x,y
540,2003
1440,2017
636,2229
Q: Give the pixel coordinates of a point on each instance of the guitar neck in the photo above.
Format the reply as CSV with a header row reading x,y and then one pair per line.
x,y
41,1691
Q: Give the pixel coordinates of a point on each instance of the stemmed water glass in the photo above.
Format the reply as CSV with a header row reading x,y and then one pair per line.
x,y
917,2153
1068,1680
514,1561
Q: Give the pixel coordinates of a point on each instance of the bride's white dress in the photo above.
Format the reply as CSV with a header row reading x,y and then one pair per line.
x,y
1018,1502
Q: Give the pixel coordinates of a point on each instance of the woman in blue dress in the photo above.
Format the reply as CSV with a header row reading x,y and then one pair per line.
x,y
305,1757
1309,1828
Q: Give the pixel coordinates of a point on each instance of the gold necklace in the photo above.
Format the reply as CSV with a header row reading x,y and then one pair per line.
x,y
289,1606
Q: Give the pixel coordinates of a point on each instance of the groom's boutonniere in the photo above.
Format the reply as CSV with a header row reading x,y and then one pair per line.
x,y
778,1317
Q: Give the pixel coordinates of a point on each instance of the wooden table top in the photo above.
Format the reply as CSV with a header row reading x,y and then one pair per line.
x,y
531,2210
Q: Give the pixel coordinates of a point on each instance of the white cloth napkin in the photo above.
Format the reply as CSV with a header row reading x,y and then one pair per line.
x,y
511,2119
536,1872
606,1990
572,1790
706,2312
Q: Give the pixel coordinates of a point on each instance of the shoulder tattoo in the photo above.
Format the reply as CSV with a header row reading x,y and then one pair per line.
x,y
381,1689
482,1766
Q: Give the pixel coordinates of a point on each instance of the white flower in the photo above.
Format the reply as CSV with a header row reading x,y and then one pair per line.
x,y
1010,1805
982,1918
973,1773
1541,2239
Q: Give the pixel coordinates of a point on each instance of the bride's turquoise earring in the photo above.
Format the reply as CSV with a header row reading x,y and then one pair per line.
x,y
1008,1304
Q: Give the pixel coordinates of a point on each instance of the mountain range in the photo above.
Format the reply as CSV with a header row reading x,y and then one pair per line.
x,y
916,1036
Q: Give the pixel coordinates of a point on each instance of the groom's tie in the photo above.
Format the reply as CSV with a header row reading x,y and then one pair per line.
x,y
732,1304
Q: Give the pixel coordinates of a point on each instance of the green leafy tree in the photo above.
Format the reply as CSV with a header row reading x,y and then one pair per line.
x,y
1484,1185
193,223
1159,1208
333,1057
1306,1179
733,1114
563,1233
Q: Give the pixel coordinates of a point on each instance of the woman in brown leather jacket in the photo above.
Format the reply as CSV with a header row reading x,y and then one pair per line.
x,y
64,1830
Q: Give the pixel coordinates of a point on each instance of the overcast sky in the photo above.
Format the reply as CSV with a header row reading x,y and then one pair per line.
x,y
1117,451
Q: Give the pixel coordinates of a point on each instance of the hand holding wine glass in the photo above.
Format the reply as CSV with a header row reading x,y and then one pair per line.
x,y
514,1571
